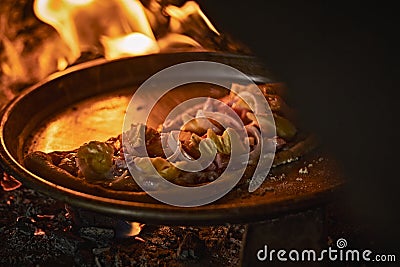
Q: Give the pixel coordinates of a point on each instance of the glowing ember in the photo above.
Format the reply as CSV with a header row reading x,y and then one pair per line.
x,y
8,183
136,228
139,239
39,231
120,28
45,216
126,229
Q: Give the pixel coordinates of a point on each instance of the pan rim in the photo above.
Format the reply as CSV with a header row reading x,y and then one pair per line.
x,y
239,212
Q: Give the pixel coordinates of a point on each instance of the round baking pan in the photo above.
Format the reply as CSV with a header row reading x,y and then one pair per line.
x,y
88,101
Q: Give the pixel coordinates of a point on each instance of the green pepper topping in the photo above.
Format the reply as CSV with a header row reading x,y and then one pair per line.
x,y
95,160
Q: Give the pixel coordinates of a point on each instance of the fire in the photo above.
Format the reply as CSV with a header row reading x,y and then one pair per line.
x,y
136,229
128,229
120,28
79,2
133,44
180,15
9,183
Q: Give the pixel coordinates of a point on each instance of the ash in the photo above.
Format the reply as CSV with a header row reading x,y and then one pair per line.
x,y
38,230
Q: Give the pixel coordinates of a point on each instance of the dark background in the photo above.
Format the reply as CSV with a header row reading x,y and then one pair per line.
x,y
339,61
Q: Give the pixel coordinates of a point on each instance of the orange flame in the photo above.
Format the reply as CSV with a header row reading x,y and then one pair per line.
x,y
136,228
84,23
133,44
119,28
180,14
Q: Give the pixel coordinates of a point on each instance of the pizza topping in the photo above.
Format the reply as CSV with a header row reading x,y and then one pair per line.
x,y
244,100
95,160
153,143
198,124
135,136
210,130
279,142
243,97
123,182
284,128
183,143
69,164
165,168
140,134
162,166
221,161
191,145
262,121
225,141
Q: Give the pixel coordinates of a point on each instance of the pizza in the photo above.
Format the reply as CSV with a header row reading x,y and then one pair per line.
x,y
101,167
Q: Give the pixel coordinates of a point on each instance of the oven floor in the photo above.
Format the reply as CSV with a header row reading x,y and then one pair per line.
x,y
37,230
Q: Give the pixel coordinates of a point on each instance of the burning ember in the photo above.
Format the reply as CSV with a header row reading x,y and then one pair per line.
x,y
136,228
8,183
119,28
